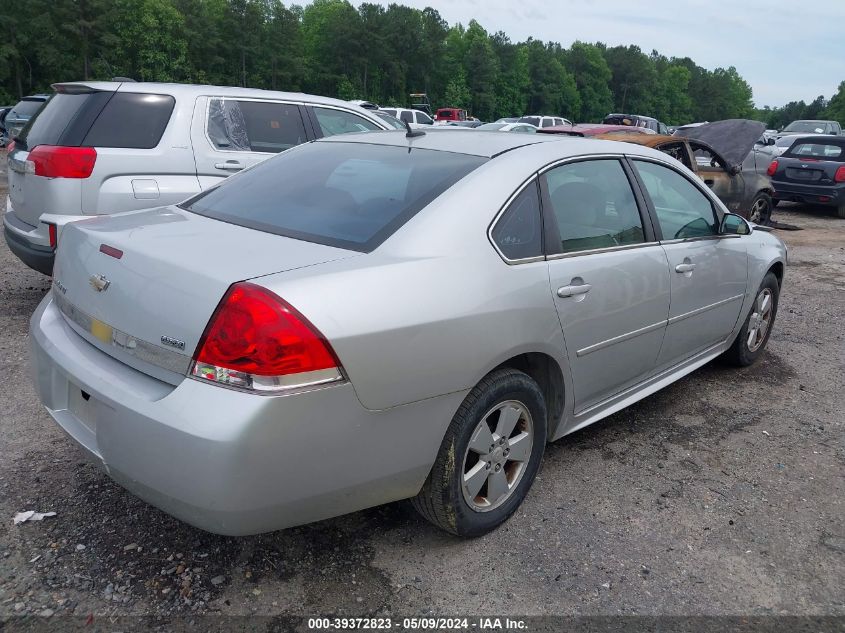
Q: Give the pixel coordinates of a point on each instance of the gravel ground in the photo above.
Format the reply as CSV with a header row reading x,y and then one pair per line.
x,y
722,494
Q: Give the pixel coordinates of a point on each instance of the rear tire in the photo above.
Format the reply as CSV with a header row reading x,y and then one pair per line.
x,y
752,338
840,210
489,456
761,209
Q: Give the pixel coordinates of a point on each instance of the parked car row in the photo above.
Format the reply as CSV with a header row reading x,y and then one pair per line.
x,y
106,147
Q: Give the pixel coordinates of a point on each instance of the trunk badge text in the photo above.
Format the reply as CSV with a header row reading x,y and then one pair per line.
x,y
99,282
173,342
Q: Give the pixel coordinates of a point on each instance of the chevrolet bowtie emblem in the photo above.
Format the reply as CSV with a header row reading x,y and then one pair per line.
x,y
99,282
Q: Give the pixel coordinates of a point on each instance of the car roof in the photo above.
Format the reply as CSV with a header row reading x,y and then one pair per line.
x,y
817,138
196,90
469,141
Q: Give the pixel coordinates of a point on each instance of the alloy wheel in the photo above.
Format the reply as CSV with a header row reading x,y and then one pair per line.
x,y
497,456
759,211
760,319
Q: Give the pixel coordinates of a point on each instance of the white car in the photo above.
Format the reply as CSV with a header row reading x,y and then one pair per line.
x,y
517,128
104,147
544,121
415,118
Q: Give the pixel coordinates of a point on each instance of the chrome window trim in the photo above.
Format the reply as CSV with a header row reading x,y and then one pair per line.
x,y
142,350
497,217
578,159
596,251
702,238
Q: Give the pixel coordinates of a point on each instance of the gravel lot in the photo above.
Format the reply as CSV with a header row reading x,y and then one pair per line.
x,y
722,494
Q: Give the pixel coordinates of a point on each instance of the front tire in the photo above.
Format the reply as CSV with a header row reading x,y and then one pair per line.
x,y
761,209
755,332
489,456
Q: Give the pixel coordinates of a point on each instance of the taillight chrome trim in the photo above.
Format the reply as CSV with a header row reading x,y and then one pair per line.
x,y
145,351
273,385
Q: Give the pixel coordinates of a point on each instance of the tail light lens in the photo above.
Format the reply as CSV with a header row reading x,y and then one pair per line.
x,y
53,231
53,161
10,147
840,175
257,341
773,167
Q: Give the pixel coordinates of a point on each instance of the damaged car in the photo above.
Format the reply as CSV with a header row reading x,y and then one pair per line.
x,y
731,157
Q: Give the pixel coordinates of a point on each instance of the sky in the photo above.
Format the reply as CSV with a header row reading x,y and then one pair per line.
x,y
787,50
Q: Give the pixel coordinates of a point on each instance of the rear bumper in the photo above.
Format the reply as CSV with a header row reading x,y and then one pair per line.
x,y
35,256
227,461
811,194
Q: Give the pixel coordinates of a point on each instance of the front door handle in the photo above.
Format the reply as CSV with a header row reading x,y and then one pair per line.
x,y
686,267
229,165
572,291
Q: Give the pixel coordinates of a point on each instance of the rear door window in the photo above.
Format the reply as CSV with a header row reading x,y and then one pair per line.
x,y
131,120
342,122
254,126
593,206
350,195
48,127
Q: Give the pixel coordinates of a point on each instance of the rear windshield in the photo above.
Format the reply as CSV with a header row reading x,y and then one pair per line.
x,y
821,151
51,125
813,127
100,119
349,195
28,107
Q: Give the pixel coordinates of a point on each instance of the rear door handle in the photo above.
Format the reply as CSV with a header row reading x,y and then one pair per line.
x,y
572,291
686,267
229,165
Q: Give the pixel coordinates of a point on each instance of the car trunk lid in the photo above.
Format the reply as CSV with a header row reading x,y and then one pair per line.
x,y
142,285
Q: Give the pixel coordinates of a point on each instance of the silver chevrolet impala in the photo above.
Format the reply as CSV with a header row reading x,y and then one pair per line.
x,y
390,315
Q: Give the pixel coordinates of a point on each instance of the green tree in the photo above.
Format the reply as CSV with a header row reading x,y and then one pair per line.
x,y
836,106
592,77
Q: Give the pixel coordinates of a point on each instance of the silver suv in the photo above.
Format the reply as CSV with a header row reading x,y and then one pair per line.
x,y
104,147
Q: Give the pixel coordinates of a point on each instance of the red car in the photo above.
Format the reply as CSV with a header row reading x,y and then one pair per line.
x,y
593,129
450,114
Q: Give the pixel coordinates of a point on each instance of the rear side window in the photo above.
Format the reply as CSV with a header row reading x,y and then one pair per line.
x,y
254,126
131,120
349,195
519,232
821,151
406,116
533,120
342,122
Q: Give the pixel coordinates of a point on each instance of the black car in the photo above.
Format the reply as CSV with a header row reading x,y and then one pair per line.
x,y
812,171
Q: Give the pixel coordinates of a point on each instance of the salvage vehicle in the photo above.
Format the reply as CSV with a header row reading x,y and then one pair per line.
x,y
812,171
517,128
105,147
415,118
637,120
373,317
444,115
594,129
21,113
812,126
732,157
541,121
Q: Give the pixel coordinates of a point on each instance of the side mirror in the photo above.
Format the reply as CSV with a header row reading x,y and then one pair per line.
x,y
733,224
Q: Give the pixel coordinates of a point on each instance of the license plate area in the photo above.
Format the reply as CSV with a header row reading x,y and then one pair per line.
x,y
83,406
803,174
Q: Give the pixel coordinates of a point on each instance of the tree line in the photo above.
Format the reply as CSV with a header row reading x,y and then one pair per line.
x,y
377,53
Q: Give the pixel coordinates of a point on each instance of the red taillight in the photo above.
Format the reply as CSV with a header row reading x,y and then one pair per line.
x,y
10,147
255,340
111,251
54,161
54,235
773,167
840,175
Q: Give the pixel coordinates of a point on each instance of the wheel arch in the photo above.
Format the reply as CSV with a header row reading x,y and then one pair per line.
x,y
777,269
548,374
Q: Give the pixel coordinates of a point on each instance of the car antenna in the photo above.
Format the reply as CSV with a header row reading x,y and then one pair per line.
x,y
412,133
